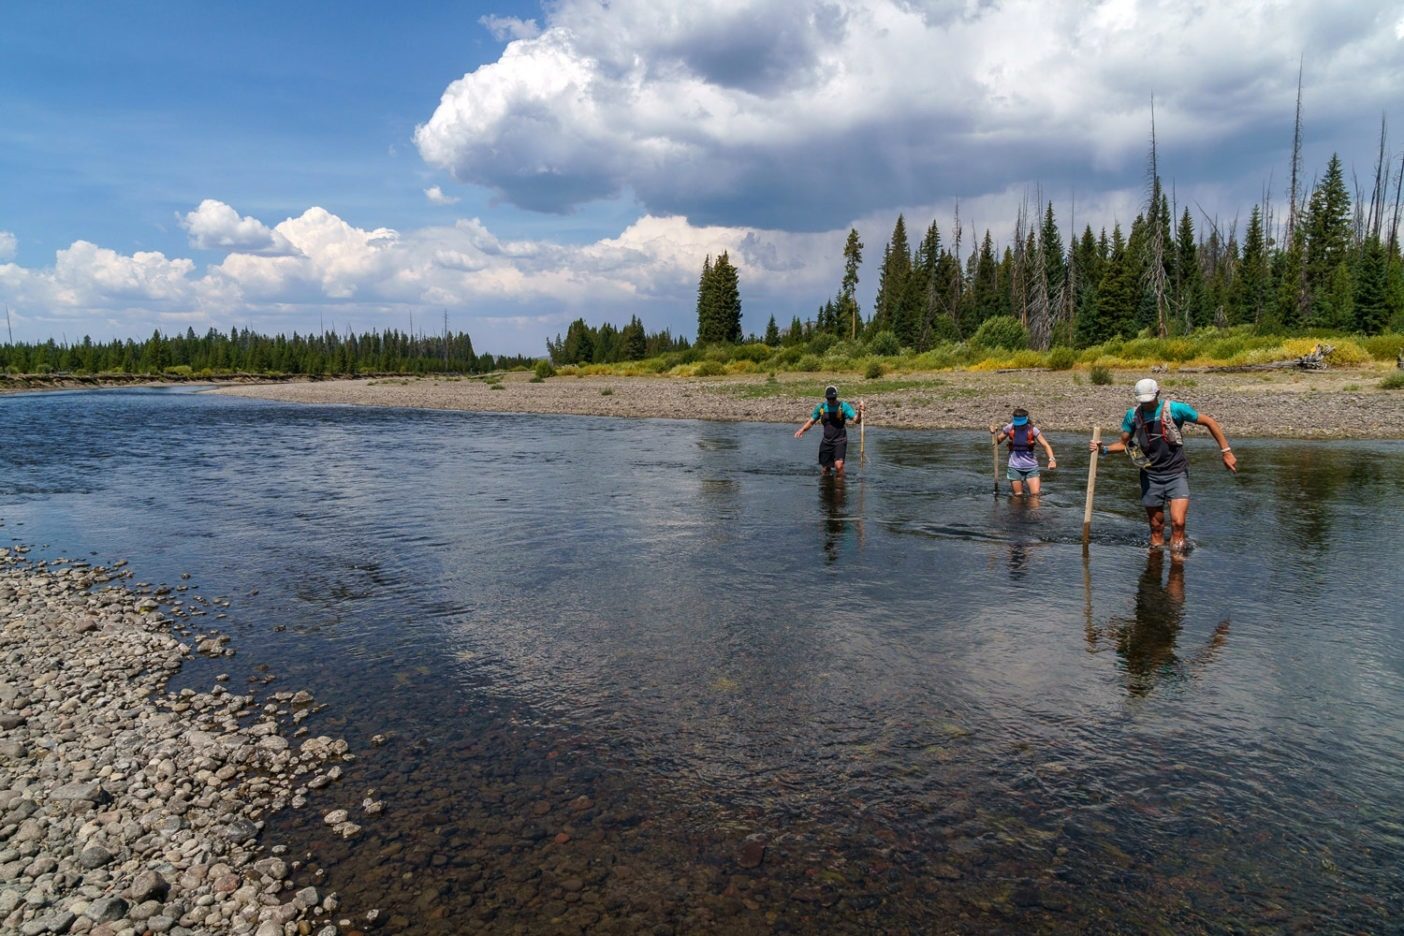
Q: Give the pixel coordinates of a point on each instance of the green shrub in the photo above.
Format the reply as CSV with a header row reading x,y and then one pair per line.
x,y
542,370
1001,331
1384,347
821,343
607,391
710,369
1061,359
885,343
496,386
1394,381
1099,375
180,370
874,370
809,363
536,379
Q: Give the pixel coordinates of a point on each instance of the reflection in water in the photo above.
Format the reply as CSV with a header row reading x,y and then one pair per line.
x,y
839,527
1146,641
607,712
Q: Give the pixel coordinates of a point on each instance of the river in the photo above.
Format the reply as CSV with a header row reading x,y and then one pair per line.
x,y
650,675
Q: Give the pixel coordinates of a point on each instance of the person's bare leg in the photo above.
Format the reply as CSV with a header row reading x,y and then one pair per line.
x,y
838,467
1179,513
1034,485
1017,487
1156,516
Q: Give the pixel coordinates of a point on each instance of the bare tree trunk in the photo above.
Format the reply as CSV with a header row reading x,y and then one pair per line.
x,y
1156,280
1294,192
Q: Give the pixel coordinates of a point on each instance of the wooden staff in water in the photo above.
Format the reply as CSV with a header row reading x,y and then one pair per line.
x,y
1091,487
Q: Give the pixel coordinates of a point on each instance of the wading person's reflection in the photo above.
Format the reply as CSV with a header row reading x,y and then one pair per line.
x,y
834,498
1146,642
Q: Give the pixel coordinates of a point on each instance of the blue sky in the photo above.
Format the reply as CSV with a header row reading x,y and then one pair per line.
x,y
165,165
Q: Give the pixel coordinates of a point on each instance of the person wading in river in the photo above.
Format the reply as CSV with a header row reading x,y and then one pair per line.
x,y
833,414
1150,434
1023,458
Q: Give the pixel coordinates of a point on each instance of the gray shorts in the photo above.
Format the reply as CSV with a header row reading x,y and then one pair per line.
x,y
1020,474
1157,491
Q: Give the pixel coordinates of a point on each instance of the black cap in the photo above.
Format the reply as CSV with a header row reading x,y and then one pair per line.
x,y
831,393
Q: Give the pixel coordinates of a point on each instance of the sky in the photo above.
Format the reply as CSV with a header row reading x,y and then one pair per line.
x,y
516,165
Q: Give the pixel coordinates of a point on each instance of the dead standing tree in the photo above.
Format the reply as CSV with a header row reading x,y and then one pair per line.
x,y
1156,281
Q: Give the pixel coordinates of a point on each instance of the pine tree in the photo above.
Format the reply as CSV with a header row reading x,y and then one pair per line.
x,y
1119,294
1054,264
707,327
1253,288
1371,289
1291,307
726,299
772,333
921,309
1189,294
985,289
1090,269
852,260
1329,235
633,341
892,278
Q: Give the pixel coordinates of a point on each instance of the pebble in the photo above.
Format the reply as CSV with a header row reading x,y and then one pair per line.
x,y
139,809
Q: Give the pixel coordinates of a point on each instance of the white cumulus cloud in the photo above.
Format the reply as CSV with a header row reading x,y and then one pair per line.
x,y
436,196
504,28
799,116
216,226
9,244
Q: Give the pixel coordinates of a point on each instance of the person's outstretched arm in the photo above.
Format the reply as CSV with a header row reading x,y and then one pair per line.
x,y
1210,423
1052,459
803,429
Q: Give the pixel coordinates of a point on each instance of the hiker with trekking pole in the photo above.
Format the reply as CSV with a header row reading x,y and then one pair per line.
x,y
1023,467
834,415
1151,436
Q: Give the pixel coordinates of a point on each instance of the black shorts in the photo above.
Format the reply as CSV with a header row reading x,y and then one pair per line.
x,y
832,450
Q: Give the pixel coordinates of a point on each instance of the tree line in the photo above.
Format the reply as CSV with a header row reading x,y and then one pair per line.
x,y
245,351
586,344
1333,263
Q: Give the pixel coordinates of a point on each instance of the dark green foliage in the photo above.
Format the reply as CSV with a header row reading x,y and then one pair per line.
x,y
1372,289
1253,299
1119,295
718,302
873,370
1062,359
892,308
1393,382
1003,332
1190,297
243,351
584,344
543,369
1329,233
1099,375
772,333
885,343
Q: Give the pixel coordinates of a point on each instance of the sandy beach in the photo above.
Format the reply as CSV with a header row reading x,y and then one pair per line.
x,y
1333,404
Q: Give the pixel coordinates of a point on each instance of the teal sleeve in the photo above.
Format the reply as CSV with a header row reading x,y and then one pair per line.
x,y
1183,412
818,410
848,411
1130,421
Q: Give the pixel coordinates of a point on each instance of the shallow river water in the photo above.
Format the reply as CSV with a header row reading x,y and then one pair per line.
x,y
657,676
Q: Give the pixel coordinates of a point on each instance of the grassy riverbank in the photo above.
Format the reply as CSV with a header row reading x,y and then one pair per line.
x,y
1340,403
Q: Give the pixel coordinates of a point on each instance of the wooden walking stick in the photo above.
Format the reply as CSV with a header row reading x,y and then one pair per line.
x,y
862,435
994,442
1091,486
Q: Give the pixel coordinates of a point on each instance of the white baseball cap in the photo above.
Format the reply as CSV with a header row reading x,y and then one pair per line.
x,y
1147,390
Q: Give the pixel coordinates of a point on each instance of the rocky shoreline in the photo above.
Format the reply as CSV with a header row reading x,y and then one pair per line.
x,y
129,809
1332,404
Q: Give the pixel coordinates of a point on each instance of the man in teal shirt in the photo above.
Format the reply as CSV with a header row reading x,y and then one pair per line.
x,y
1150,432
834,415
